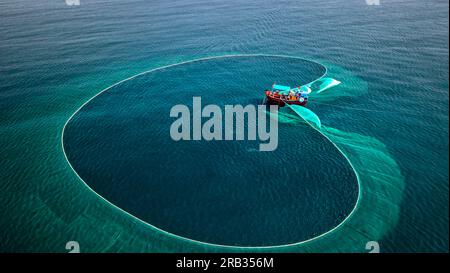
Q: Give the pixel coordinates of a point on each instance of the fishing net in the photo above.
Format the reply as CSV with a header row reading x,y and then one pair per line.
x,y
308,115
380,188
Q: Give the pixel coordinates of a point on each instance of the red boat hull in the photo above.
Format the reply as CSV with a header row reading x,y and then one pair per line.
x,y
276,99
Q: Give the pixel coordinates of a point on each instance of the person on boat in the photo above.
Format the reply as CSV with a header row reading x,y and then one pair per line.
x,y
291,95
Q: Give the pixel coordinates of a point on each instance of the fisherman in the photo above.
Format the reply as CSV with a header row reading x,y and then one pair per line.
x,y
291,95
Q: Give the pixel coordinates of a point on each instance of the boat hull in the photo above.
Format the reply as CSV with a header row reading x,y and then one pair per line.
x,y
277,100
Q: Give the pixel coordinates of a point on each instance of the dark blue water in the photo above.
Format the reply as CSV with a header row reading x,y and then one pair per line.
x,y
54,57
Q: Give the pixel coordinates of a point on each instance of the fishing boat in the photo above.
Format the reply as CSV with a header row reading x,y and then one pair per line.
x,y
280,95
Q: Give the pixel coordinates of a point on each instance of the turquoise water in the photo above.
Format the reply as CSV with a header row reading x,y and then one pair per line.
x,y
55,57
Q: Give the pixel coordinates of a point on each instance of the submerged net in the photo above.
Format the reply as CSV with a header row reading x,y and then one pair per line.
x,y
329,89
323,84
307,115
379,178
381,185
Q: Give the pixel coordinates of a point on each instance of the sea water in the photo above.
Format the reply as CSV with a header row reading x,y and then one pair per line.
x,y
54,57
